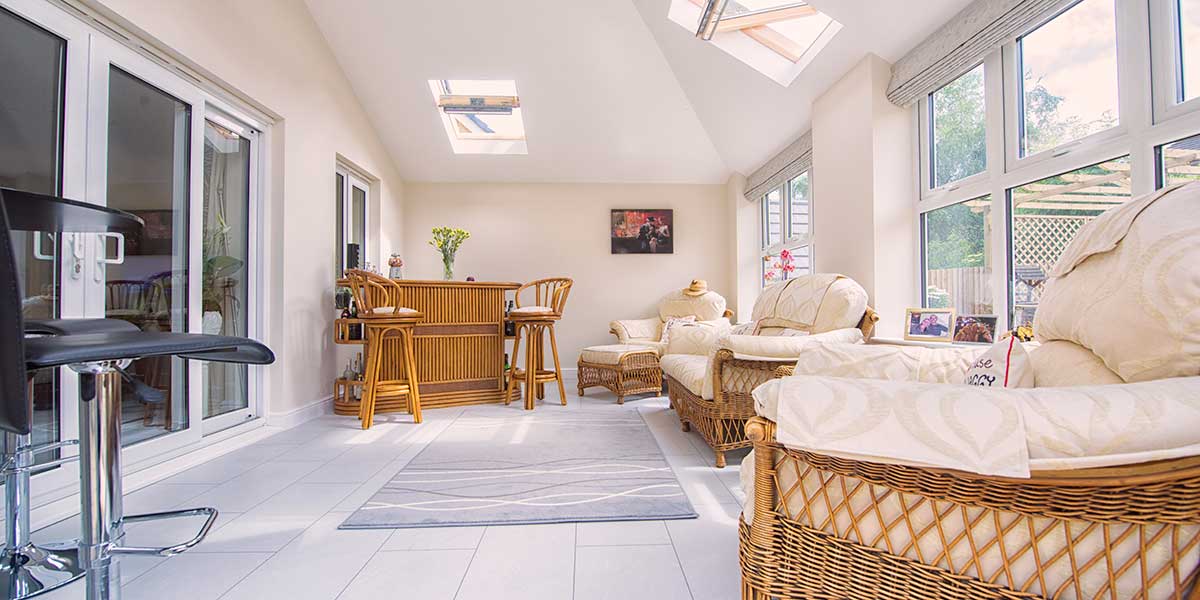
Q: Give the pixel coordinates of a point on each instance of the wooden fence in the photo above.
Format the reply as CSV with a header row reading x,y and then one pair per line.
x,y
968,288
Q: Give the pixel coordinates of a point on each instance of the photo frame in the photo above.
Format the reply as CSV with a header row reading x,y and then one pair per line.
x,y
975,329
929,324
642,231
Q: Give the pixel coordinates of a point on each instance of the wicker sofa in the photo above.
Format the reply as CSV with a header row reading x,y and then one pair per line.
x,y
710,374
911,485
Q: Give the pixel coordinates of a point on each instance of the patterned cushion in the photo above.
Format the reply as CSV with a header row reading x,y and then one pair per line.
x,y
393,310
1005,364
705,307
687,369
816,303
1128,287
896,362
674,323
611,354
659,348
1058,364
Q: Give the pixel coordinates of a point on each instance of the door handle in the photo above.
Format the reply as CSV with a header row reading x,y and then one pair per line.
x,y
102,253
37,246
75,244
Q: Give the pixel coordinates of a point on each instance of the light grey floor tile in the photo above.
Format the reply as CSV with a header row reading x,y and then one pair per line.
x,y
622,533
193,576
230,465
247,490
341,470
317,565
424,574
434,538
254,533
303,500
523,562
624,572
708,552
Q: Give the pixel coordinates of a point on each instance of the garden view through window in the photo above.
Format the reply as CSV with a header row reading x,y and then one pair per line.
x,y
957,270
958,129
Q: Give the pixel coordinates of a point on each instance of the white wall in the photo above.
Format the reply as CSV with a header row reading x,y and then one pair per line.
x,y
271,52
745,222
522,232
864,198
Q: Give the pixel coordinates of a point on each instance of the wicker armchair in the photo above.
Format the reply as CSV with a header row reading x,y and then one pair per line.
x,y
1101,497
711,374
697,301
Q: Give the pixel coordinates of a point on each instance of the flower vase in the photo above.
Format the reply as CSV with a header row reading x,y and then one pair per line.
x,y
448,267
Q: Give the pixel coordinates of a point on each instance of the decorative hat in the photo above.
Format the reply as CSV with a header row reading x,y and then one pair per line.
x,y
699,287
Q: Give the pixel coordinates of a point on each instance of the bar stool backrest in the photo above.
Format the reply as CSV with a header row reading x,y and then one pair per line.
x,y
550,292
372,291
14,412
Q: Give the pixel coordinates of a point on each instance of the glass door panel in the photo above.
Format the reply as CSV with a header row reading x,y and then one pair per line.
x,y
148,167
32,65
225,260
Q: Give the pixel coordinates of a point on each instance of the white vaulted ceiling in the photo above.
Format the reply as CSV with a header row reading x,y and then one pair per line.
x,y
611,90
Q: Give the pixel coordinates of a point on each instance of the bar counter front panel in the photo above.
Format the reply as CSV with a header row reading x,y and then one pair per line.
x,y
459,345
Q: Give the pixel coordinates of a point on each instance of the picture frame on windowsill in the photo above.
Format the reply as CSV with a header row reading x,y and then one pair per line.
x,y
929,324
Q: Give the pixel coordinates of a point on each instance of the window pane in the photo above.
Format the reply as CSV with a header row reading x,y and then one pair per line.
x,y
31,72
226,254
358,224
1046,215
340,211
1189,48
1179,162
1069,68
772,205
798,205
958,127
148,142
958,274
788,264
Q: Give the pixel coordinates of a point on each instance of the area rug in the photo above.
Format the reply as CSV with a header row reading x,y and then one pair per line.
x,y
504,466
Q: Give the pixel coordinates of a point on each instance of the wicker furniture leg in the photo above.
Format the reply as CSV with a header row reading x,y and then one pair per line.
x,y
531,351
410,369
512,369
562,392
366,409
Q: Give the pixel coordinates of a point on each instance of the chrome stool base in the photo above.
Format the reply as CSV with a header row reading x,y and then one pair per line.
x,y
34,570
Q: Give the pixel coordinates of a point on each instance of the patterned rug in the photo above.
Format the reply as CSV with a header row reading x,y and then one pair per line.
x,y
499,465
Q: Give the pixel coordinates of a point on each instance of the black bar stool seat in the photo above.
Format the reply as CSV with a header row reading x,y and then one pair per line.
x,y
57,351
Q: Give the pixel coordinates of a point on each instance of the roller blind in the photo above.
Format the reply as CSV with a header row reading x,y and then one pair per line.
x,y
963,42
794,160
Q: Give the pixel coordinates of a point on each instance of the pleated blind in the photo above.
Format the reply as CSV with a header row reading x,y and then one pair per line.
x,y
794,160
963,42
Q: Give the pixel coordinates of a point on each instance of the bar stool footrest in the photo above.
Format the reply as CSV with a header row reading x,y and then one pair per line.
x,y
211,513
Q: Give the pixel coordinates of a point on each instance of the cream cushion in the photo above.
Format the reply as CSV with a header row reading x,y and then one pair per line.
x,y
611,354
532,310
658,347
994,431
1061,363
393,310
815,303
696,340
627,330
708,306
897,362
687,369
1005,365
1128,288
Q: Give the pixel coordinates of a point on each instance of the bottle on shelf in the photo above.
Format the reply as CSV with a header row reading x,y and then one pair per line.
x,y
510,328
356,329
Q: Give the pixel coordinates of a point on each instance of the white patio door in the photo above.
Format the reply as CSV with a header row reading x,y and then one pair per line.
x,y
86,117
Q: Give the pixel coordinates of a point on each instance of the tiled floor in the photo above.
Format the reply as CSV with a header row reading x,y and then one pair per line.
x,y
282,499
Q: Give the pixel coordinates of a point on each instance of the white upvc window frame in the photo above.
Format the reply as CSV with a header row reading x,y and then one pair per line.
x,y
351,179
925,126
788,240
1138,135
1166,49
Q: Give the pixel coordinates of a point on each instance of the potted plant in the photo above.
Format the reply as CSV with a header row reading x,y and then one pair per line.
x,y
215,279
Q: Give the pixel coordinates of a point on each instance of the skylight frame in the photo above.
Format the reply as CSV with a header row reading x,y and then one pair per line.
x,y
498,127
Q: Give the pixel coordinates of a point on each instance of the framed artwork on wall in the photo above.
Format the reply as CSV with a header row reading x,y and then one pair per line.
x,y
643,231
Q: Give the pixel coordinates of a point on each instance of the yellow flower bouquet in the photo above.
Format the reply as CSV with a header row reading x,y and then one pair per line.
x,y
447,240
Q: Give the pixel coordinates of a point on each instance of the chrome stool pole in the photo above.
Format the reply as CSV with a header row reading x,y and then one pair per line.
x,y
27,569
101,508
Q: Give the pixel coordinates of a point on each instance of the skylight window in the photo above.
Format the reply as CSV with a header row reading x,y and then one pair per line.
x,y
481,116
778,38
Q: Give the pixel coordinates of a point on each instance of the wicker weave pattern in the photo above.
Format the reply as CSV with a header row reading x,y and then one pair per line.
x,y
637,373
831,527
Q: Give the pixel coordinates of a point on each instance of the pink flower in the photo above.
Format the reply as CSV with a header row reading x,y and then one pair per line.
x,y
785,255
769,275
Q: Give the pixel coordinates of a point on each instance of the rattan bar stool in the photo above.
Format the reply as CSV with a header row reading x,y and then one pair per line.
x,y
533,322
391,366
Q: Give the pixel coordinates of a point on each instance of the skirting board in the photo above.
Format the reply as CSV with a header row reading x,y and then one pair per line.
x,y
296,416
